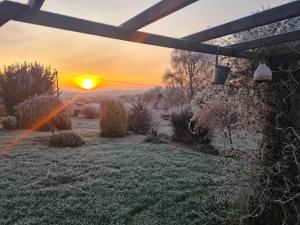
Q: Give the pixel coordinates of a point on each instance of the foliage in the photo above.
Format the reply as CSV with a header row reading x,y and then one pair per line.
x,y
270,195
43,113
163,98
65,139
113,118
279,177
175,96
237,108
218,115
2,110
139,119
9,122
90,112
19,82
62,121
151,94
230,107
181,120
75,112
242,69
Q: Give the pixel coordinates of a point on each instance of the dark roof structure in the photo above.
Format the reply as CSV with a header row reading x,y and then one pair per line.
x,y
128,31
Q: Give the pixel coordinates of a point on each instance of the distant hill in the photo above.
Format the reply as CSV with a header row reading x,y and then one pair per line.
x,y
112,93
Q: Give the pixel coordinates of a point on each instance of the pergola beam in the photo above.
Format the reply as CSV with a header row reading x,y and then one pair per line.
x,y
292,48
4,18
31,14
266,41
154,13
34,5
272,15
58,21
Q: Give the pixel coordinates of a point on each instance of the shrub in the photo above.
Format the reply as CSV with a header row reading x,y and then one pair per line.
x,y
139,119
65,139
182,126
2,110
62,121
9,123
90,112
222,115
43,113
19,82
113,118
75,112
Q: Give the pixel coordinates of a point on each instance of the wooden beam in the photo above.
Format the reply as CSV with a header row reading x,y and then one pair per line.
x,y
292,48
272,15
58,21
267,41
287,54
11,13
34,5
154,13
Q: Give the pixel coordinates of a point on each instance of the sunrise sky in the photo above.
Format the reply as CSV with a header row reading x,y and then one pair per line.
x,y
75,55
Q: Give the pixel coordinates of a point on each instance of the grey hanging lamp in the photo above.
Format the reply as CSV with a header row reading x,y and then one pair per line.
x,y
263,72
220,72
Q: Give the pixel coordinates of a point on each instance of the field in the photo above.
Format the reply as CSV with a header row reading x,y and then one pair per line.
x,y
106,181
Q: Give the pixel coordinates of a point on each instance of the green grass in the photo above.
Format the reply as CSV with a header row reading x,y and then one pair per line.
x,y
107,181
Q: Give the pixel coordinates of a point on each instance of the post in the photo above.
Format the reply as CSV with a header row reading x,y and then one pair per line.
x,y
57,88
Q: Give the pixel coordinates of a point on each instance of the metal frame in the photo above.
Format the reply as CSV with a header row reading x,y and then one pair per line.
x,y
31,13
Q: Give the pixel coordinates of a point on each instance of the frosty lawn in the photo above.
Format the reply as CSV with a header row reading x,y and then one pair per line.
x,y
106,181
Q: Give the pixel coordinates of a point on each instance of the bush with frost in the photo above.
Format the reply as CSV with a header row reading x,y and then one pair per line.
x,y
9,123
184,128
43,113
19,82
139,120
89,112
65,139
113,118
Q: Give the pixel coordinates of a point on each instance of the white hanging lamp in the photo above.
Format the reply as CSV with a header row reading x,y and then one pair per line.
x,y
263,72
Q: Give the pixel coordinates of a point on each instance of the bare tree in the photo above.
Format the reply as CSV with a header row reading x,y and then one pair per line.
x,y
188,71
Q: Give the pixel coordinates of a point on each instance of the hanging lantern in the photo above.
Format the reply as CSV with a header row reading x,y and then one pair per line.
x,y
263,72
221,72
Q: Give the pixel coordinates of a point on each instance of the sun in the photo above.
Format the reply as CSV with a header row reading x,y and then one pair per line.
x,y
88,84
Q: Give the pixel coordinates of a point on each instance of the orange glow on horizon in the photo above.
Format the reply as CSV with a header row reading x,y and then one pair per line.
x,y
107,82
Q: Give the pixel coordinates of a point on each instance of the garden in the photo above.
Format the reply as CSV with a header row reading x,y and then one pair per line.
x,y
195,150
